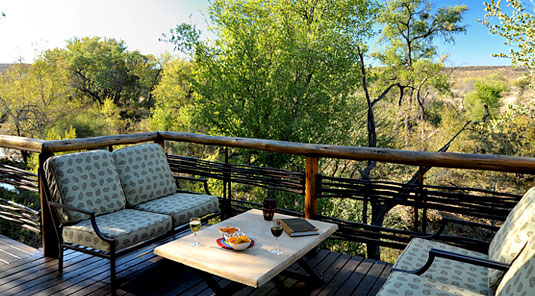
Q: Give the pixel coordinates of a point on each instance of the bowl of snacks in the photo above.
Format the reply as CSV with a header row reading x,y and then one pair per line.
x,y
228,230
238,241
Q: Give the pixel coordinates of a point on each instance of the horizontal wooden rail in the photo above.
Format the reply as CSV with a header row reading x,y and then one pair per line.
x,y
27,144
98,142
416,158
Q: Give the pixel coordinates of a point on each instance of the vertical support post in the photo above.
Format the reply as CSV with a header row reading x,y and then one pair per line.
x,y
227,196
423,197
48,233
161,141
419,196
311,202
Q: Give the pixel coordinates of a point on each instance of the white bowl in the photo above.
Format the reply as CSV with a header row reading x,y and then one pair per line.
x,y
237,247
222,233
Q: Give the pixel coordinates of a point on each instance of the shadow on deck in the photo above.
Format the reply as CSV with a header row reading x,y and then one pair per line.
x,y
143,273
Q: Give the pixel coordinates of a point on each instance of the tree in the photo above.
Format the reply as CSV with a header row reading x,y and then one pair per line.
x,y
486,96
32,99
516,27
173,98
410,29
101,69
281,70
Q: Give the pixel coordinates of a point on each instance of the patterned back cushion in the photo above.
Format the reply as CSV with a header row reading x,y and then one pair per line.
x,y
513,235
86,180
144,172
520,278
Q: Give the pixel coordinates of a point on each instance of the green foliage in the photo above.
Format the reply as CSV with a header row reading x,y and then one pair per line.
x,y
173,98
280,70
411,27
100,69
488,91
511,133
515,24
32,98
409,34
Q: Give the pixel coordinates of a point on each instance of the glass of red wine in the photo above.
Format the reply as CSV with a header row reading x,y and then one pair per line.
x,y
270,205
276,230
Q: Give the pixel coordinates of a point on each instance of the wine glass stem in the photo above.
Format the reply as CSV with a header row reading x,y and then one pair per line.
x,y
277,243
195,235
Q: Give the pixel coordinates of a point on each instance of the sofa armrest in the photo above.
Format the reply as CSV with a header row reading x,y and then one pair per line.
x,y
446,219
192,179
433,253
92,217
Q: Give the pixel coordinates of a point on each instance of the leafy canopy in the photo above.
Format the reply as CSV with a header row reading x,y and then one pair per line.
x,y
517,26
281,70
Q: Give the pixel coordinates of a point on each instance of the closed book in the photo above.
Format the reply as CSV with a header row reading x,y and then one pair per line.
x,y
298,227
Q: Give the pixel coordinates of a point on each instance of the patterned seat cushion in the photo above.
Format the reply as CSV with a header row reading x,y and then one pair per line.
x,y
127,227
144,173
520,278
513,235
181,206
407,284
86,180
463,275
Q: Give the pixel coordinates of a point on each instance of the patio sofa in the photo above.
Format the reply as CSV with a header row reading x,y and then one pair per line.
x,y
507,268
111,203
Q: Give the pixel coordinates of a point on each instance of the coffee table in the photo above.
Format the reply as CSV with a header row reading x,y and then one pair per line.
x,y
252,267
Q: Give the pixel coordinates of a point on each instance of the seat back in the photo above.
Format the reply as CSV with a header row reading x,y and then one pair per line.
x,y
520,278
516,230
85,180
144,173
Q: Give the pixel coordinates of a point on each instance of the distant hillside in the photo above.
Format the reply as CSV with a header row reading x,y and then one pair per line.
x,y
463,79
507,72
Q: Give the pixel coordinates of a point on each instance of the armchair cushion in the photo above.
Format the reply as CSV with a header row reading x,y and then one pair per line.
x,y
127,227
86,180
400,283
513,235
462,275
520,278
181,206
144,173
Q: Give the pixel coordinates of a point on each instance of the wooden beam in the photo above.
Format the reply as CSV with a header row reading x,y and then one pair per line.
x,y
416,158
98,142
311,202
21,143
48,233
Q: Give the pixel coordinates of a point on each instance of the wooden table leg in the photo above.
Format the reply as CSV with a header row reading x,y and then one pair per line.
x,y
216,288
313,275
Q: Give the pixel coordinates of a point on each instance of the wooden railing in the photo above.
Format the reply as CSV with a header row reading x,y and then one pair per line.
x,y
313,185
12,211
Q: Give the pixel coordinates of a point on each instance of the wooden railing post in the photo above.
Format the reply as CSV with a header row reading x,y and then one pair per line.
x,y
48,233
311,202
420,201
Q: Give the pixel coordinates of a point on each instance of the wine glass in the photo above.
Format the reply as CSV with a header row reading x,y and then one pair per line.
x,y
195,225
276,230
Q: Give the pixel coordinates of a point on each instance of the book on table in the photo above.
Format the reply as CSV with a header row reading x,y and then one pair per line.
x,y
298,227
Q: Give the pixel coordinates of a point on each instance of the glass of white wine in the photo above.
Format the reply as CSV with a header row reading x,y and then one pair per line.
x,y
195,225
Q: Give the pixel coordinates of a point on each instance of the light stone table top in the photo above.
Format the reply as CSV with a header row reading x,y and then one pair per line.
x,y
254,266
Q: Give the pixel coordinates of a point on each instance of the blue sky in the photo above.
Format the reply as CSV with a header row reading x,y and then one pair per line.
x,y
31,26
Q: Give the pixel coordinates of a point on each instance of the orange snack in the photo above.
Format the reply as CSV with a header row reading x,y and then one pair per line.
x,y
229,229
240,239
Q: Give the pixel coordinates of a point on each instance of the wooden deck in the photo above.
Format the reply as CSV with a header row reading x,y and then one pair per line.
x,y
143,273
12,250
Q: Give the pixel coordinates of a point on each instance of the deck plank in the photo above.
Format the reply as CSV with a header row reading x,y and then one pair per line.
x,y
143,273
372,276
